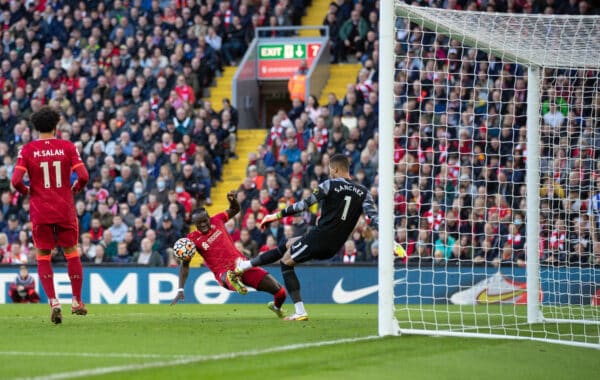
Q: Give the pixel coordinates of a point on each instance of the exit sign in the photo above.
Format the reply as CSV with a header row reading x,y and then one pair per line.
x,y
281,61
282,51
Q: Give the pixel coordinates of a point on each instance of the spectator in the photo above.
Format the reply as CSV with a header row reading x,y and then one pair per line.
x,y
275,230
249,246
182,198
12,229
185,93
349,253
290,150
6,206
513,248
84,217
443,249
27,246
256,178
4,180
22,290
489,245
463,248
232,230
332,22
554,118
123,256
16,255
87,249
235,41
118,229
580,244
147,256
168,236
96,231
333,105
125,212
255,233
109,246
352,33
270,243
99,258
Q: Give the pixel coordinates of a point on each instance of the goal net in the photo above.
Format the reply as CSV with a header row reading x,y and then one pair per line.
x,y
494,178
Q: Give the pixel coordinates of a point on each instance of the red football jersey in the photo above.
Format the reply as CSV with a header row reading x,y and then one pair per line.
x,y
49,163
216,247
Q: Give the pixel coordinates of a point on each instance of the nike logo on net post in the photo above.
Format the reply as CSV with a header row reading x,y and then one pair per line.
x,y
340,295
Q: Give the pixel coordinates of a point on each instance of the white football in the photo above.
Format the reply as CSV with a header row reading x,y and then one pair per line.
x,y
184,249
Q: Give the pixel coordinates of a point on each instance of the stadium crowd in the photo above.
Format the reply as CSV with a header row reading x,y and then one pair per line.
x,y
461,150
128,77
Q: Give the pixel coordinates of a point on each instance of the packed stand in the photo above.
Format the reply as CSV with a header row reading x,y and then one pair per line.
x,y
127,77
460,147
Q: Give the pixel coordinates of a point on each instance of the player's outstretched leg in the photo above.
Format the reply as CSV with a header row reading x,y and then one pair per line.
x,y
75,271
293,286
268,257
270,284
46,275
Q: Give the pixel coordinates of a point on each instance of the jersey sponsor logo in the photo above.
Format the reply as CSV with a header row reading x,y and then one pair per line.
x,y
48,153
340,295
214,236
205,246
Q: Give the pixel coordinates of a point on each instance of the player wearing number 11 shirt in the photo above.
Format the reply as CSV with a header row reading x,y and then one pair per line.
x,y
342,203
49,163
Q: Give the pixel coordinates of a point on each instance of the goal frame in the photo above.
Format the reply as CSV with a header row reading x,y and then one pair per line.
x,y
387,324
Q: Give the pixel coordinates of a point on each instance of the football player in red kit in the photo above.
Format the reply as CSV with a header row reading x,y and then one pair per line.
x,y
49,163
220,256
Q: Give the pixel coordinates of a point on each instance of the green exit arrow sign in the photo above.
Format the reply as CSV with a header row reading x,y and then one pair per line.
x,y
282,51
270,51
294,51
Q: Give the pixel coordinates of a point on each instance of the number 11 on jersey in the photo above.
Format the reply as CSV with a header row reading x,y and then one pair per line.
x,y
46,170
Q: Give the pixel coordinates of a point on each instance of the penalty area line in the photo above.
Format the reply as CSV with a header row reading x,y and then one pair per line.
x,y
191,360
94,355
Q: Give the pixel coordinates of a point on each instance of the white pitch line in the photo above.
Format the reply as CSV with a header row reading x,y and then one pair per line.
x,y
191,360
94,354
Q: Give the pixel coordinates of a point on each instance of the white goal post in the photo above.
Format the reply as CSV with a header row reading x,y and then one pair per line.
x,y
489,132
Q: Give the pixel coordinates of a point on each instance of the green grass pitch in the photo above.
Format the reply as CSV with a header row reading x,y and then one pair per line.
x,y
249,342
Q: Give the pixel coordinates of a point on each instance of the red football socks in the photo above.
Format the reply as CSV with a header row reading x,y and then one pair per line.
x,y
46,275
75,274
279,297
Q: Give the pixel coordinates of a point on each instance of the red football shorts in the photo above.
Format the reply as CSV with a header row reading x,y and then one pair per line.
x,y
48,236
252,277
